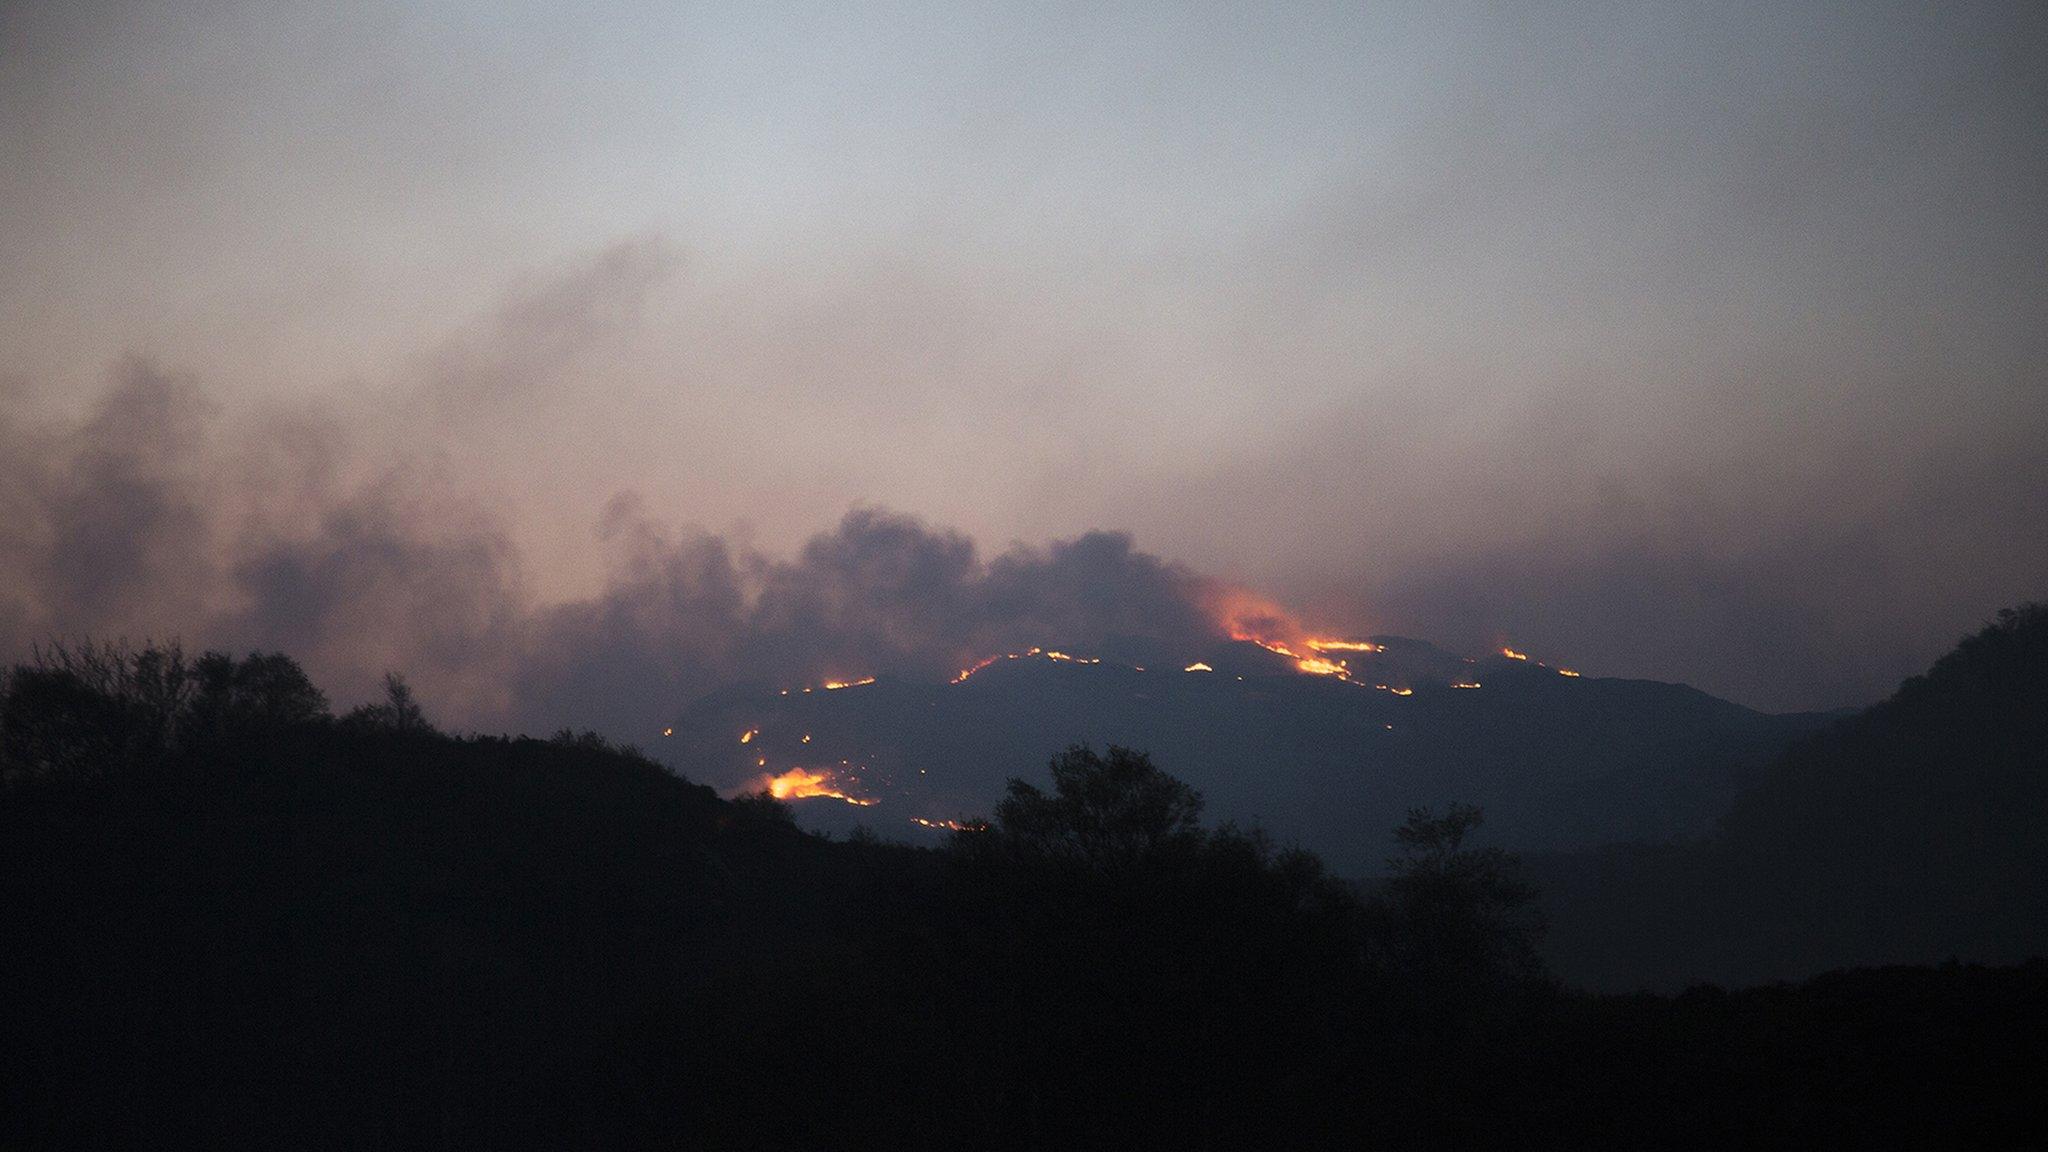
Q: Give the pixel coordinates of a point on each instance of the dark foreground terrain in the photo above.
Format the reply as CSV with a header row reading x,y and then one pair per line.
x,y
232,919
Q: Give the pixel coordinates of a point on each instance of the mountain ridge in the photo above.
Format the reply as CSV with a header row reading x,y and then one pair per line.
x,y
1559,760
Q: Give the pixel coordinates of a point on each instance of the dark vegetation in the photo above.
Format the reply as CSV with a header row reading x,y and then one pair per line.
x,y
234,919
1911,831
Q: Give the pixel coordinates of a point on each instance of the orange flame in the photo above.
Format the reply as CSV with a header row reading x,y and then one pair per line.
x,y
1250,618
1049,654
747,737
1346,646
1511,654
1198,666
803,784
835,685
949,825
1566,672
973,668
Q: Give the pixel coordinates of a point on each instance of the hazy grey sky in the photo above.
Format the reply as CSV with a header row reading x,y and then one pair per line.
x,y
1701,341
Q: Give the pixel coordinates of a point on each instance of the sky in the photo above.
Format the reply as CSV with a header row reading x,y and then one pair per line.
x,y
1704,342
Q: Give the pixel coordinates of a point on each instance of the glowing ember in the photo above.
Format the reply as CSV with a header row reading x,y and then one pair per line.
x,y
1566,672
804,784
807,738
668,731
1466,684
1198,666
1317,666
835,685
747,737
1511,654
948,825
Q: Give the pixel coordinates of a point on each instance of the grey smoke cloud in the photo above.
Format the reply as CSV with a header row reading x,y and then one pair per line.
x,y
147,520
1696,341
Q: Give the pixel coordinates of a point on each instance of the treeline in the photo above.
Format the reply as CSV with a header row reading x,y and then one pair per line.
x,y
94,710
232,917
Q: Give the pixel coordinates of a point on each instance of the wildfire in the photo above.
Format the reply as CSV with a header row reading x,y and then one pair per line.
x,y
747,737
975,667
668,731
1049,654
947,825
1346,646
835,685
1198,666
1467,684
1511,654
1252,619
1567,672
804,784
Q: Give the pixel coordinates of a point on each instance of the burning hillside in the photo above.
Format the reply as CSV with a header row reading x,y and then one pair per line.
x,y
1312,756
808,784
908,751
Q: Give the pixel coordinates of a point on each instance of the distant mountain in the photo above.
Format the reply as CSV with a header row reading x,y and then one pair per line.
x,y
1329,762
1910,832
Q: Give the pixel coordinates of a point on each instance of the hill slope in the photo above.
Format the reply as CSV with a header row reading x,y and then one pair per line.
x,y
1909,832
258,925
1558,761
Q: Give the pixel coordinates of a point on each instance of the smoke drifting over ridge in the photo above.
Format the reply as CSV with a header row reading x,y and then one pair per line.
x,y
146,520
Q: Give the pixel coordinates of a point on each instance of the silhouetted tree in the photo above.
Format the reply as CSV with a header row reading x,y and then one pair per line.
x,y
54,726
92,709
399,713
262,692
1454,918
1105,812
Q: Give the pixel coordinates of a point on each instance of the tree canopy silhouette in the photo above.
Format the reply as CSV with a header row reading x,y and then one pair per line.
x,y
1104,812
1455,917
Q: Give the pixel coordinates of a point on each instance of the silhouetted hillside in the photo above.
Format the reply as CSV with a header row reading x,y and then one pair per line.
x,y
231,919
1907,833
